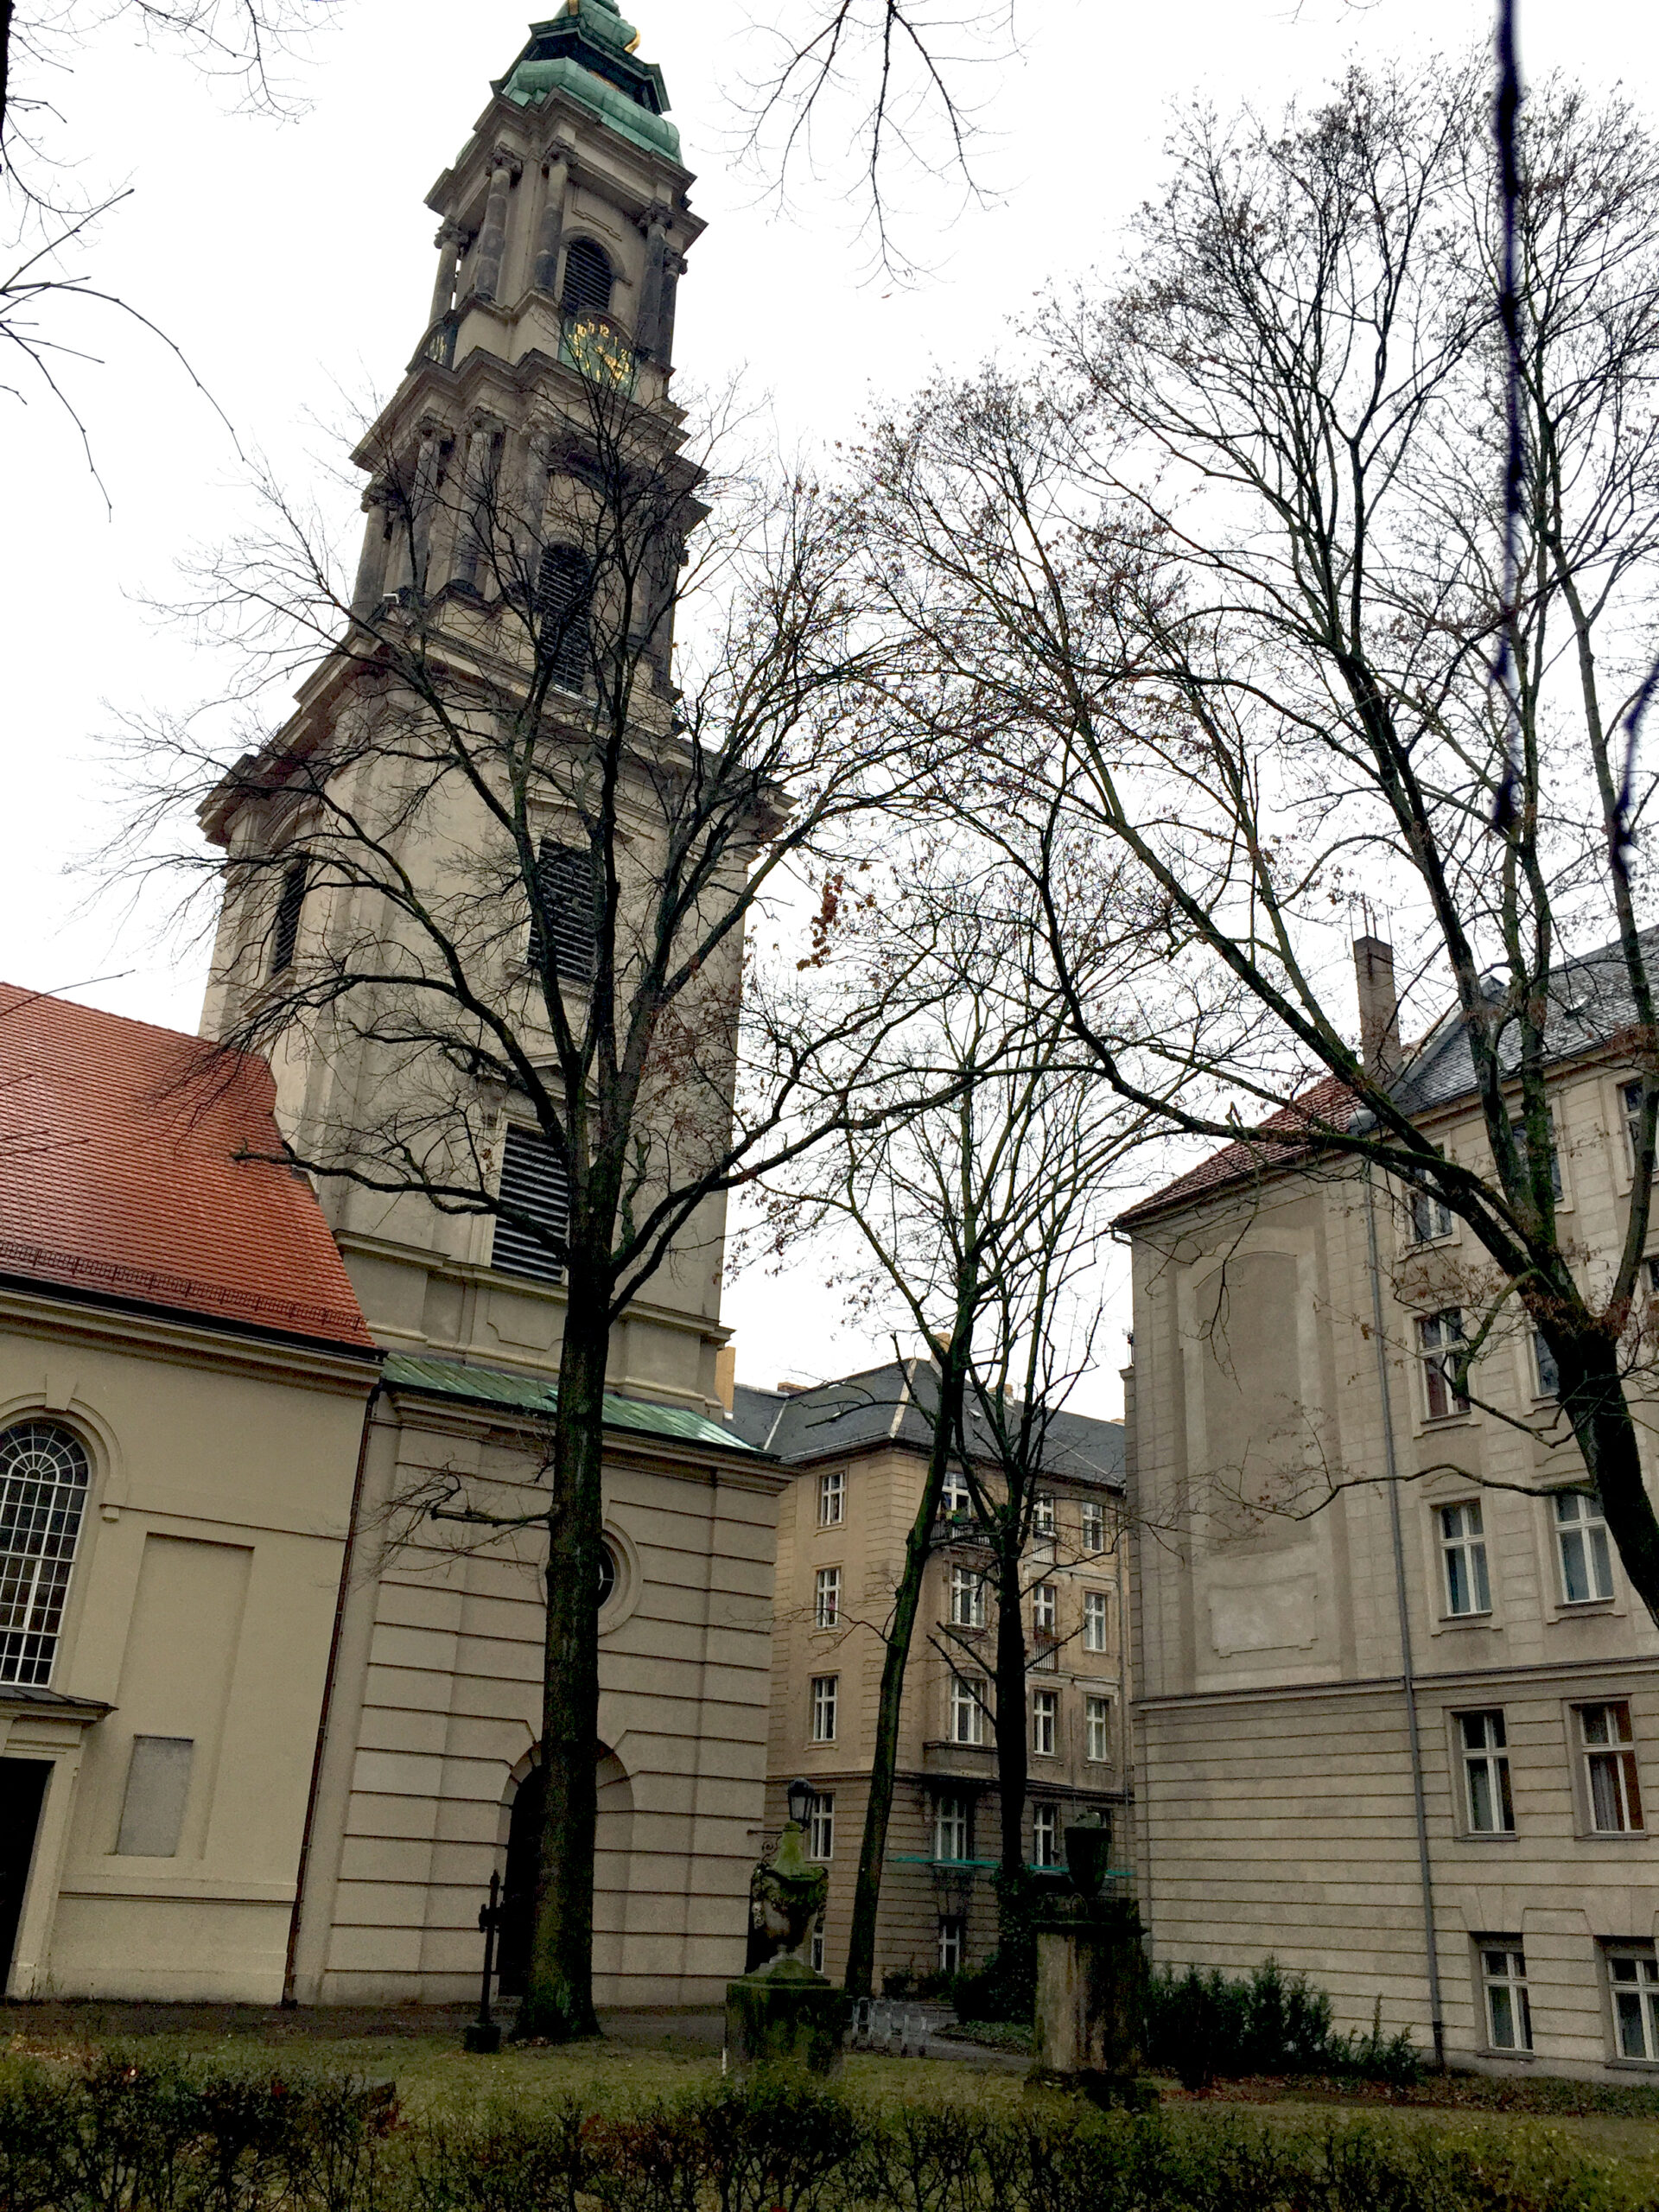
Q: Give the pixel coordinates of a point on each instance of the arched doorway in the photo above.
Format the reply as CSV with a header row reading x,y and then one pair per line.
x,y
612,1840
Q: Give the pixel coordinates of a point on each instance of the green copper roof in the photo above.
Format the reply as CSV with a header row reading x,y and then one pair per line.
x,y
454,1379
587,53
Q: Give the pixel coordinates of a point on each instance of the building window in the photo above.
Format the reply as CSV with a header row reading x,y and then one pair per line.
x,y
1630,1099
564,591
818,1948
1094,1620
565,886
821,1825
953,1828
531,1231
1094,1528
954,1500
1509,2009
1581,1546
606,1575
1547,1373
951,1942
1486,1773
1098,1729
1431,1217
825,1688
826,1598
1633,1983
43,1478
967,1710
285,927
1042,1515
966,1599
588,279
1438,1336
1463,1550
1612,1792
1045,1722
832,1499
1518,1131
1045,1610
1045,1836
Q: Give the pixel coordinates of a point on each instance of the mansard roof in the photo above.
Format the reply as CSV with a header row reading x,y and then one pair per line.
x,y
123,1178
894,1404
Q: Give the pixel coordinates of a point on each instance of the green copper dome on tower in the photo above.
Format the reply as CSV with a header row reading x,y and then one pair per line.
x,y
587,52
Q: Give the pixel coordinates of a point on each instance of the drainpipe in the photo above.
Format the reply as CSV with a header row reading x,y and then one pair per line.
x,y
1361,1125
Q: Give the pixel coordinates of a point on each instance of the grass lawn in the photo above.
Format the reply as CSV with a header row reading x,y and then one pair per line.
x,y
431,2072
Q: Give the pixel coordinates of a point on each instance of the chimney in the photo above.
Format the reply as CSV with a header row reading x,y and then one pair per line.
x,y
1379,1005
726,1374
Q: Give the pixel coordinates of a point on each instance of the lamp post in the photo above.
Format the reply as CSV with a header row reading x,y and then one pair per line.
x,y
799,1796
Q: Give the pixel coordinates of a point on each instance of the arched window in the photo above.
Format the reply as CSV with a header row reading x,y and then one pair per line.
x,y
588,279
563,589
43,1478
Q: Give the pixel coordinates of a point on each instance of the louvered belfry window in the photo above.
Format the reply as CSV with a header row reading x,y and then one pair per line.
x,y
567,883
43,1478
533,1183
586,287
563,590
285,927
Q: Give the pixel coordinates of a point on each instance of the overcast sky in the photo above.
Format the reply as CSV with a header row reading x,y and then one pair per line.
x,y
293,264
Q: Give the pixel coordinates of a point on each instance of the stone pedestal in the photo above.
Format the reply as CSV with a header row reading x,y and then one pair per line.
x,y
1090,1972
785,2014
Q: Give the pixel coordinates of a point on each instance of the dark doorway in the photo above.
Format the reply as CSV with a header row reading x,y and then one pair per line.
x,y
23,1790
519,1891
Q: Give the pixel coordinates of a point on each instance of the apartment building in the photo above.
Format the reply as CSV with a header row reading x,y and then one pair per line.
x,y
1403,1736
854,1453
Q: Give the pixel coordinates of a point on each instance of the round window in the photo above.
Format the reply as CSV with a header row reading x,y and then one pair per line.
x,y
606,1575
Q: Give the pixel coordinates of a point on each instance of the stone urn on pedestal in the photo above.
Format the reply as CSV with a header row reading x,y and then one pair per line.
x,y
784,2011
1091,1970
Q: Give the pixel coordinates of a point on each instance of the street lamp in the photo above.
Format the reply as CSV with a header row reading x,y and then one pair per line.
x,y
799,1794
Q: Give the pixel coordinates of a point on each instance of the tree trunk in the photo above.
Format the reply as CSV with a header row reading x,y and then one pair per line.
x,y
1592,1392
867,1894
558,2000
1010,1737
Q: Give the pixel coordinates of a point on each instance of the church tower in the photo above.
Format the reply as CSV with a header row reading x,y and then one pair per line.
x,y
442,874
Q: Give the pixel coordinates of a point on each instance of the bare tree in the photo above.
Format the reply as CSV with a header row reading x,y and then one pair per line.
x,y
491,886
978,1195
1229,600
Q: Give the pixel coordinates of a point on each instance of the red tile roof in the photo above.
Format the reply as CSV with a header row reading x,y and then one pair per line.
x,y
1328,1100
119,1175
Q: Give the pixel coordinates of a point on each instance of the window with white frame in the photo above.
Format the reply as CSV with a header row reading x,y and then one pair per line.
x,y
954,1499
44,1475
1633,1985
1042,1515
1045,1610
1503,1980
1045,1836
952,1939
1484,1742
832,1498
967,1597
967,1709
1518,1131
953,1827
1094,1620
1439,1337
818,1948
1546,1372
1431,1217
1612,1790
1098,1729
821,1825
1045,1722
1581,1548
1629,1096
1094,1527
1463,1559
826,1597
826,1693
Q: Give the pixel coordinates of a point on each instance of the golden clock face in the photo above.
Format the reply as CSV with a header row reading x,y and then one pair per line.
x,y
595,347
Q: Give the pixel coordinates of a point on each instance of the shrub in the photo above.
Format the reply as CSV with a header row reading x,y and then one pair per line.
x,y
1204,2025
